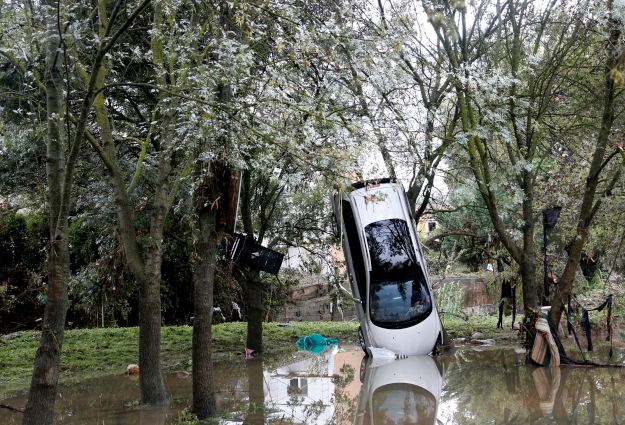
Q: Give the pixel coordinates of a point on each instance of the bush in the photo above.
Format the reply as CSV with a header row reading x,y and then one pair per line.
x,y
22,271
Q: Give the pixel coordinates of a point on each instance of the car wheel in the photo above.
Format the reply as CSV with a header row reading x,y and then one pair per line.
x,y
437,346
361,340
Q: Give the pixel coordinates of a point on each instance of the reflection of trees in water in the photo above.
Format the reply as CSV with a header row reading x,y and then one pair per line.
x,y
485,386
491,386
314,410
383,415
256,391
495,386
400,403
345,406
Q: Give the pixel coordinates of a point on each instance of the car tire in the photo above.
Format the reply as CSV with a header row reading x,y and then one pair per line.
x,y
437,346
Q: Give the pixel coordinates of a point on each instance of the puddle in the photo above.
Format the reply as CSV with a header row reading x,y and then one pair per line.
x,y
469,386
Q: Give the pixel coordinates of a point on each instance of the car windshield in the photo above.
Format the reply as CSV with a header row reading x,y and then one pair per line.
x,y
390,248
399,302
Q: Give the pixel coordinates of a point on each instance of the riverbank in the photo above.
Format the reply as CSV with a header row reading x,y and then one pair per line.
x,y
90,353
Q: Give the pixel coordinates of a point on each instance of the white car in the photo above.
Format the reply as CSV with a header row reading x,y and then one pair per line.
x,y
388,275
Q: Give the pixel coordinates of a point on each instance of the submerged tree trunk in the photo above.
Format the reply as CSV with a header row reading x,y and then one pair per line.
x,y
255,310
150,379
256,392
40,406
203,279
252,287
42,394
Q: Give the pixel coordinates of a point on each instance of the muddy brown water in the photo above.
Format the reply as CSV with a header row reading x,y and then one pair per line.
x,y
471,385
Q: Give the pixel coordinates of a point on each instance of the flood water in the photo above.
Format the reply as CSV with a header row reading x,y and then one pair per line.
x,y
471,385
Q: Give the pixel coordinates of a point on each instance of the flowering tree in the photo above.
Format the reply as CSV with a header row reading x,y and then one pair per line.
x,y
511,65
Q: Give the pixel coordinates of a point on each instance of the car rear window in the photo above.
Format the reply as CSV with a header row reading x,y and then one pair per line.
x,y
390,248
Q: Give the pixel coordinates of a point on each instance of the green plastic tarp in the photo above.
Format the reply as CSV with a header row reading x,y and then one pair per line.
x,y
315,343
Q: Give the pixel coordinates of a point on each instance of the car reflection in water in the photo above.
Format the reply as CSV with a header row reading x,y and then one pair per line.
x,y
340,387
405,391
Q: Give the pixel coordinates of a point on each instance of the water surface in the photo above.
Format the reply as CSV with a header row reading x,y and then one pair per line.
x,y
471,385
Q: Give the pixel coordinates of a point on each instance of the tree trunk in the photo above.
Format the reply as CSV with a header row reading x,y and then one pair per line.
x,y
40,406
528,263
255,310
146,271
150,377
528,279
42,394
423,181
203,279
565,285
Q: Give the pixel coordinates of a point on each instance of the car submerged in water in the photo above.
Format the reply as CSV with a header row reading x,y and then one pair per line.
x,y
388,274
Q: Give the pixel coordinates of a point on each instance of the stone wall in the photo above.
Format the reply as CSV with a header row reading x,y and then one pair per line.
x,y
476,299
314,302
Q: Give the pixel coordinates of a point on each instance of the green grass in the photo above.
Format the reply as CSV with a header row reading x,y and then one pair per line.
x,y
486,325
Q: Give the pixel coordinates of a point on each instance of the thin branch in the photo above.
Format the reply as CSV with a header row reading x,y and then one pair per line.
x,y
124,27
14,409
84,112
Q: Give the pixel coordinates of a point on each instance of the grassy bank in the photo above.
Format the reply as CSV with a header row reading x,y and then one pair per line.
x,y
96,352
485,325
90,353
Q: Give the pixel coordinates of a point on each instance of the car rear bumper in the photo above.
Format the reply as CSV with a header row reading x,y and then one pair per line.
x,y
418,339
